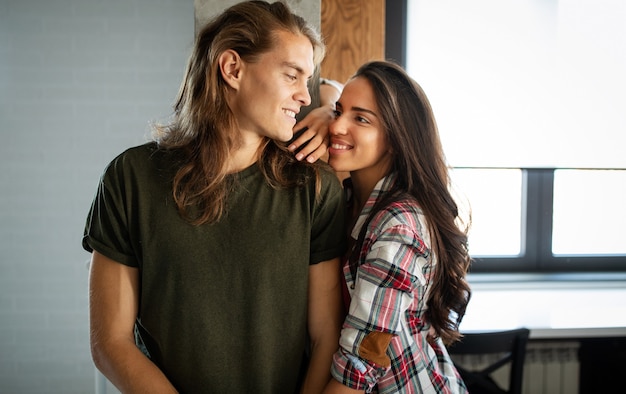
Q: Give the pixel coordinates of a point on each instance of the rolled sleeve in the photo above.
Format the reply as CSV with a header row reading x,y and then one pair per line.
x,y
353,372
383,292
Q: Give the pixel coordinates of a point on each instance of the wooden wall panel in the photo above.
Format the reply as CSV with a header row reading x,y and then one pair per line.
x,y
354,32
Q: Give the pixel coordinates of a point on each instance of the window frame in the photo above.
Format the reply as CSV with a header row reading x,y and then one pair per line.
x,y
536,241
536,255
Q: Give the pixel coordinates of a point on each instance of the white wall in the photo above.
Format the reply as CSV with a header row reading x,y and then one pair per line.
x,y
80,80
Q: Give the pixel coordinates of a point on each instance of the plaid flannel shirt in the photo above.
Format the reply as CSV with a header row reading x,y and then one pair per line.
x,y
383,345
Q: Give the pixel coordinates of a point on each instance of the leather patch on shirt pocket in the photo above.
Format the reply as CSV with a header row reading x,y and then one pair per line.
x,y
374,348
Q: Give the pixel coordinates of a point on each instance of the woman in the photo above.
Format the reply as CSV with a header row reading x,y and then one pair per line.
x,y
408,258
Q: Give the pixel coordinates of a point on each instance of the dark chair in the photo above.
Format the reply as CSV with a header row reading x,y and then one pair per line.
x,y
511,345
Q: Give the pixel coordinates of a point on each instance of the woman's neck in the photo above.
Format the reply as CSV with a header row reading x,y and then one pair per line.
x,y
365,179
363,184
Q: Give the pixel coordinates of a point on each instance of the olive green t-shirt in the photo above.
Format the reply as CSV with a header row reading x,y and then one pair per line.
x,y
223,307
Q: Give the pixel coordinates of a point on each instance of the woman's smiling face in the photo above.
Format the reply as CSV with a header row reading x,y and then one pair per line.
x,y
358,142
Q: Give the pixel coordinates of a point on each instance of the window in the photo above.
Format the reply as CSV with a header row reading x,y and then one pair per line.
x,y
589,215
529,99
494,198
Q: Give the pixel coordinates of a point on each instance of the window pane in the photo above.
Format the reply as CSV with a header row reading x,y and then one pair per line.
x,y
589,212
494,199
511,80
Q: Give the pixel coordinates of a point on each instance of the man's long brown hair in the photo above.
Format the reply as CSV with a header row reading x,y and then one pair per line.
x,y
203,128
422,174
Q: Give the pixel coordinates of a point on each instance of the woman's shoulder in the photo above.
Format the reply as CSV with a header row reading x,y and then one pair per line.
x,y
403,220
402,212
404,207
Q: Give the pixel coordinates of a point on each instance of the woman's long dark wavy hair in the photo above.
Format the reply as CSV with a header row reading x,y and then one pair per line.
x,y
203,129
422,172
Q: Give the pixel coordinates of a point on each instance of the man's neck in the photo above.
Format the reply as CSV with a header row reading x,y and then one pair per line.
x,y
243,156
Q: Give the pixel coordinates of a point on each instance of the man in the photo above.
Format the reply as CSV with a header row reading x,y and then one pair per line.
x,y
213,244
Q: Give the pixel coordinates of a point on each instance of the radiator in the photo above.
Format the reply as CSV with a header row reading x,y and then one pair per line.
x,y
550,367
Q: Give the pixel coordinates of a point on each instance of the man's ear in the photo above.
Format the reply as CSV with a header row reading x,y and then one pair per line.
x,y
230,67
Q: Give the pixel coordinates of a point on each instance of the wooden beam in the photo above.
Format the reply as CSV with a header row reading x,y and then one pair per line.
x,y
354,33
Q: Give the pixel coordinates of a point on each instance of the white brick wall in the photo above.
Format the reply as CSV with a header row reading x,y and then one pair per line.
x,y
80,80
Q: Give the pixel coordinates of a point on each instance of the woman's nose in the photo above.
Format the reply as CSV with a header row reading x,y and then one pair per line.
x,y
337,126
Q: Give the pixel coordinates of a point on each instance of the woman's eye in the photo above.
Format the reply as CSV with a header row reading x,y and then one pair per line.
x,y
291,77
337,113
361,119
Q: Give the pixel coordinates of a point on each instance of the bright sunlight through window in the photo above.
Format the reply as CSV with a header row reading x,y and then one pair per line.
x,y
529,84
